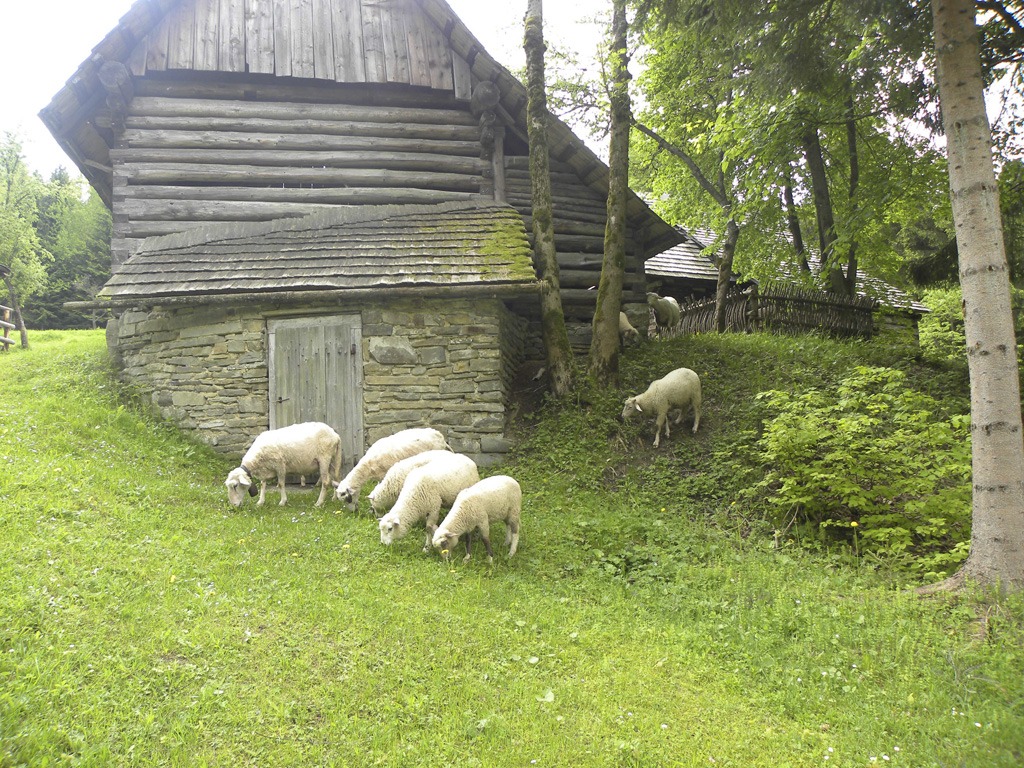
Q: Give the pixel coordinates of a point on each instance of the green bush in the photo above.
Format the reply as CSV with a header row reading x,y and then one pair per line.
x,y
873,462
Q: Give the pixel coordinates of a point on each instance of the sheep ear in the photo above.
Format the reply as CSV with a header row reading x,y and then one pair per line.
x,y
638,408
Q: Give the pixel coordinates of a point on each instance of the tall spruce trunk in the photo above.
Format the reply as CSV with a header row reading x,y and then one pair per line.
x,y
997,447
604,345
556,339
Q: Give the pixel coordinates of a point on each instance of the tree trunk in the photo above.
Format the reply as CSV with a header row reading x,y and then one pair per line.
x,y
16,306
850,280
997,448
604,345
822,208
732,234
793,222
556,339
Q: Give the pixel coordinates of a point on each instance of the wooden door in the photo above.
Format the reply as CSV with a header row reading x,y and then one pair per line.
x,y
316,374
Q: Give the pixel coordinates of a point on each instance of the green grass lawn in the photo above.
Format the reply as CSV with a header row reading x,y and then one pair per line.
x,y
646,621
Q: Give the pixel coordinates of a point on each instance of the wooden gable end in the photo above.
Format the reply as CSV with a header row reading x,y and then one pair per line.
x,y
343,41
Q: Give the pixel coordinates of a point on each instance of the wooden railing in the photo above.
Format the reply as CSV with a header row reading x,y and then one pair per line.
x,y
6,326
782,308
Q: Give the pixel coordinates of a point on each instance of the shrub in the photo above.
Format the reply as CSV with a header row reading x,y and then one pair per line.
x,y
874,463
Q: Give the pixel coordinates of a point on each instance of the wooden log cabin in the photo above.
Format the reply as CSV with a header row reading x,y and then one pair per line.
x,y
218,121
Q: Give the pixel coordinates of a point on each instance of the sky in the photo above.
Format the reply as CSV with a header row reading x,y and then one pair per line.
x,y
42,43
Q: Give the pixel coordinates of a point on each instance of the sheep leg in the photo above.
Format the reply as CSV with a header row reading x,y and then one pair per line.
x,y
263,493
280,486
431,528
487,546
325,480
661,422
468,539
512,538
696,418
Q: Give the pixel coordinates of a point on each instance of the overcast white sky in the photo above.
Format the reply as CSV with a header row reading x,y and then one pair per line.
x,y
42,42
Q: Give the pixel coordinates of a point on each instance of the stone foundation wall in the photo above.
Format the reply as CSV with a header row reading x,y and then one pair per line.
x,y
446,364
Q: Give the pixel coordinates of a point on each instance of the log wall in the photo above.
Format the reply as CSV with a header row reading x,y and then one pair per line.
x,y
181,161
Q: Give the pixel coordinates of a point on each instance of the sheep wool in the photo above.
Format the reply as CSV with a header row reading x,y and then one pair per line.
x,y
493,499
385,494
679,390
383,455
666,312
426,490
627,333
300,449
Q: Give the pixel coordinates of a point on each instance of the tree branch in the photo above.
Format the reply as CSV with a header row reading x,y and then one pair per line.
x,y
717,194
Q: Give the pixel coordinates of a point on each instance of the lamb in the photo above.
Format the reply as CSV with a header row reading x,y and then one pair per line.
x,y
666,312
426,490
383,497
299,449
383,455
493,499
679,389
627,333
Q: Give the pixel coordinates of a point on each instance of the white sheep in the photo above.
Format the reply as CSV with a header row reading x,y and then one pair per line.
x,y
383,497
666,312
300,449
493,499
383,455
679,389
427,489
627,333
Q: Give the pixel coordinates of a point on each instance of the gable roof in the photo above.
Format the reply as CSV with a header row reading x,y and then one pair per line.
x,y
686,261
280,40
347,248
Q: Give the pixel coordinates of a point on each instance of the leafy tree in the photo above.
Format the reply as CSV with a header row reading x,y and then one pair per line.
x,y
801,100
22,257
556,338
76,232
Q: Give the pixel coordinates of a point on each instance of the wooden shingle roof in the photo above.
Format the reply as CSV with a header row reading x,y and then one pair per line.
x,y
685,260
343,249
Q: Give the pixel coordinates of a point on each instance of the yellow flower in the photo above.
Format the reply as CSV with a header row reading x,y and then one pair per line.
x,y
853,524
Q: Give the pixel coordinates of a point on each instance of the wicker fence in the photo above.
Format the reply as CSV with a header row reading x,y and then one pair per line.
x,y
782,308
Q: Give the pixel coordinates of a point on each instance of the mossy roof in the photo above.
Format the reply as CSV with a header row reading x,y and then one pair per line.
x,y
393,247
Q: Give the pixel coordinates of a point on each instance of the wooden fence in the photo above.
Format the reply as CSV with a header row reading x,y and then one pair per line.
x,y
6,326
782,308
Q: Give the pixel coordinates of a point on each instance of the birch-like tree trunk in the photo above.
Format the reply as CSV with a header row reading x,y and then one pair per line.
x,y
997,446
556,339
604,345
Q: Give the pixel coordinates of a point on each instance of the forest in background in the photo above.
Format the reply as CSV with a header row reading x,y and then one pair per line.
x,y
54,241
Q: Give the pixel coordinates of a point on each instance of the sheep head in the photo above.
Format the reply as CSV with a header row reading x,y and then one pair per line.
x,y
630,408
239,483
390,529
445,542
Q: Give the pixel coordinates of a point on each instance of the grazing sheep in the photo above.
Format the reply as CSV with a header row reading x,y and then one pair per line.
x,y
679,389
426,490
383,455
299,449
493,499
666,312
627,333
383,497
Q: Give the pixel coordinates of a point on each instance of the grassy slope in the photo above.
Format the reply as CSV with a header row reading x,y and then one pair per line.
x,y
648,620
